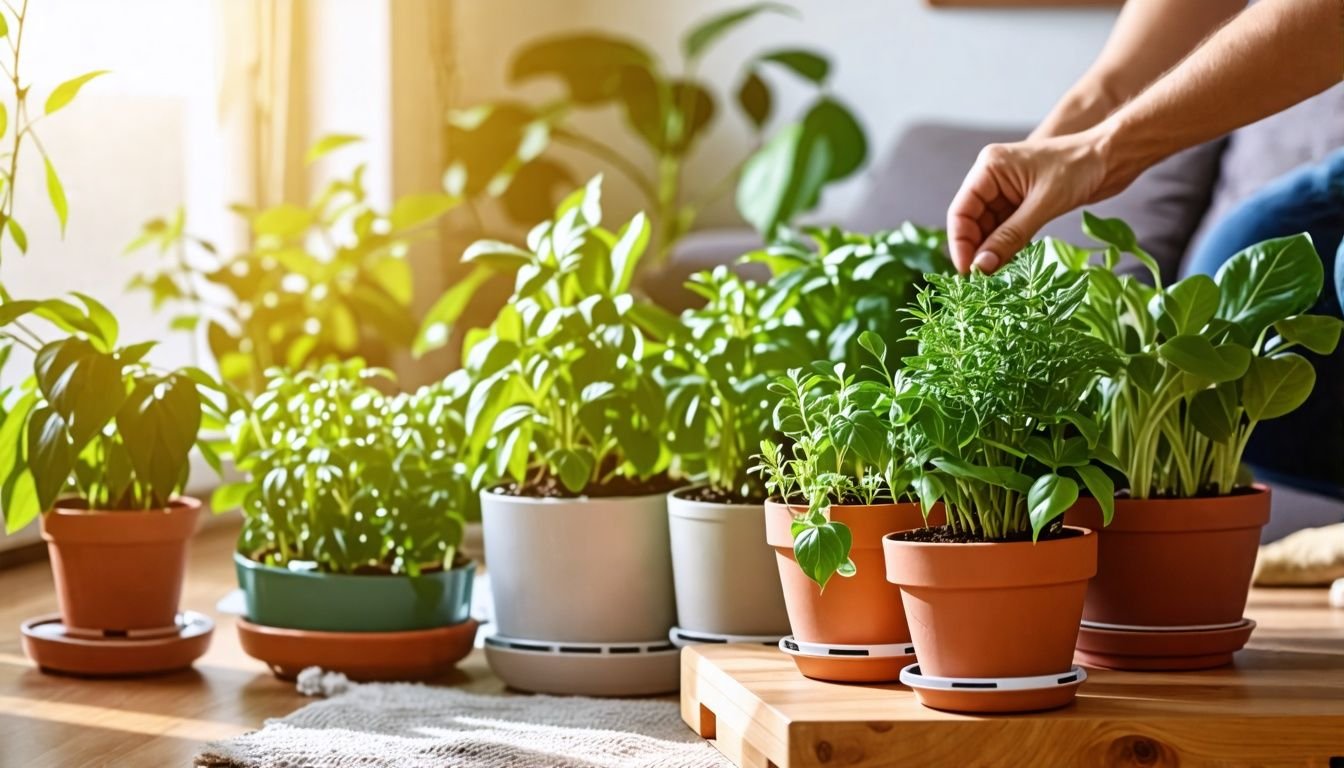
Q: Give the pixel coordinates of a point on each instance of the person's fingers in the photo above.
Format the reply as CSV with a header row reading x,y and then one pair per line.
x,y
1011,236
978,192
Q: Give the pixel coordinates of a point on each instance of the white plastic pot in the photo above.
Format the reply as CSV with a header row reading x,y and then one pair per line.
x,y
585,570
727,582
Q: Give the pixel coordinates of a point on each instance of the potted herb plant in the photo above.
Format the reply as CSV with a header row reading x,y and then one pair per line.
x,y
353,508
839,481
566,408
1205,361
96,443
1000,411
724,356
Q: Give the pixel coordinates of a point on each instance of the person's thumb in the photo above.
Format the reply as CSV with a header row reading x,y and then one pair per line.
x,y
1011,236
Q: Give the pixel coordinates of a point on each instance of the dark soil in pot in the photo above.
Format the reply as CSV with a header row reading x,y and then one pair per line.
x,y
550,487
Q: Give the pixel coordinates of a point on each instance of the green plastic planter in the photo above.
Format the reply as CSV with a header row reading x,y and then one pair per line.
x,y
338,602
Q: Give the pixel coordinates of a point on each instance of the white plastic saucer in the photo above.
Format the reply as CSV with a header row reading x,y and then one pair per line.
x,y
997,694
876,663
587,669
684,637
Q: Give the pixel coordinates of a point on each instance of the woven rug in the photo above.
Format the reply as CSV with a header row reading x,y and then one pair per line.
x,y
403,724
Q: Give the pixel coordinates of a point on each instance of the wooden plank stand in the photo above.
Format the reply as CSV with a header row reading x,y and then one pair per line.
x,y
1280,703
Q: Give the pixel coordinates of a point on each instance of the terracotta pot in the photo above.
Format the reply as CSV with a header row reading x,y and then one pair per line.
x,y
864,609
119,570
993,610
1174,562
724,572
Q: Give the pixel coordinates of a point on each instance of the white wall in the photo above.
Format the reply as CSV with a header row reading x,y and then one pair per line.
x,y
895,61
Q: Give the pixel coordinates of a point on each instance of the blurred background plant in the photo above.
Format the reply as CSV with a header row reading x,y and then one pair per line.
x,y
16,125
845,283
501,149
320,282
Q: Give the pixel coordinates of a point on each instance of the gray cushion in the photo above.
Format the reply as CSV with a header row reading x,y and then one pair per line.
x,y
921,174
1264,151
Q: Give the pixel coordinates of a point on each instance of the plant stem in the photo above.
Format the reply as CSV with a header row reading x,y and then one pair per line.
x,y
603,152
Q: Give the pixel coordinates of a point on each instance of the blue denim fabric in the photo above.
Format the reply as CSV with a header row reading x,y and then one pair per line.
x,y
1304,449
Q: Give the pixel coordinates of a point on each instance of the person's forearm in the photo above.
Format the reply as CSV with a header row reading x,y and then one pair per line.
x,y
1274,55
1149,37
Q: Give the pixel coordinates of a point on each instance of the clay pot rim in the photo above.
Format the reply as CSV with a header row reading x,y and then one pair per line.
x,y
66,507
246,562
493,492
1236,511
969,545
1001,564
775,501
672,495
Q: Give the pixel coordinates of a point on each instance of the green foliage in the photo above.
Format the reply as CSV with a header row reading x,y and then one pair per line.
x,y
565,373
722,359
1001,400
318,283
94,420
845,442
843,284
1205,359
348,478
16,126
502,148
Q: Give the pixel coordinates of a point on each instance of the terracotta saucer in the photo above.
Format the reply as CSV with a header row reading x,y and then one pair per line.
x,y
684,637
849,663
1160,649
585,669
54,649
989,695
364,656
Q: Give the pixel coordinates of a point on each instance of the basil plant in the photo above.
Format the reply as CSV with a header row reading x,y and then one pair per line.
x,y
566,398
1204,359
1001,402
94,421
844,442
343,478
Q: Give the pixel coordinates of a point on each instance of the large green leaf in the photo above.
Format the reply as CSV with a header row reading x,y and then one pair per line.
x,y
627,251
785,178
1275,386
50,456
1102,488
158,424
1319,333
755,99
1048,498
573,467
822,550
1198,356
590,65
702,35
1213,411
413,211
1188,305
1269,282
18,494
806,64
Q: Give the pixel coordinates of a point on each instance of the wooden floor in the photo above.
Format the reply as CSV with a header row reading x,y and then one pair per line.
x,y
62,722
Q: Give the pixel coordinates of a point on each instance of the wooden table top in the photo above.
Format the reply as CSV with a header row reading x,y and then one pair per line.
x,y
1281,703
61,722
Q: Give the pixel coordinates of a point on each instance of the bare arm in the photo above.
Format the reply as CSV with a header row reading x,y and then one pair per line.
x,y
1149,38
1271,56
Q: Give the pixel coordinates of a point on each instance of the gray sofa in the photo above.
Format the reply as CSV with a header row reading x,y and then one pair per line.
x,y
1170,207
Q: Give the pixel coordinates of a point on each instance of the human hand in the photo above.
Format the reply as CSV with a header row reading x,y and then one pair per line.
x,y
1015,189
